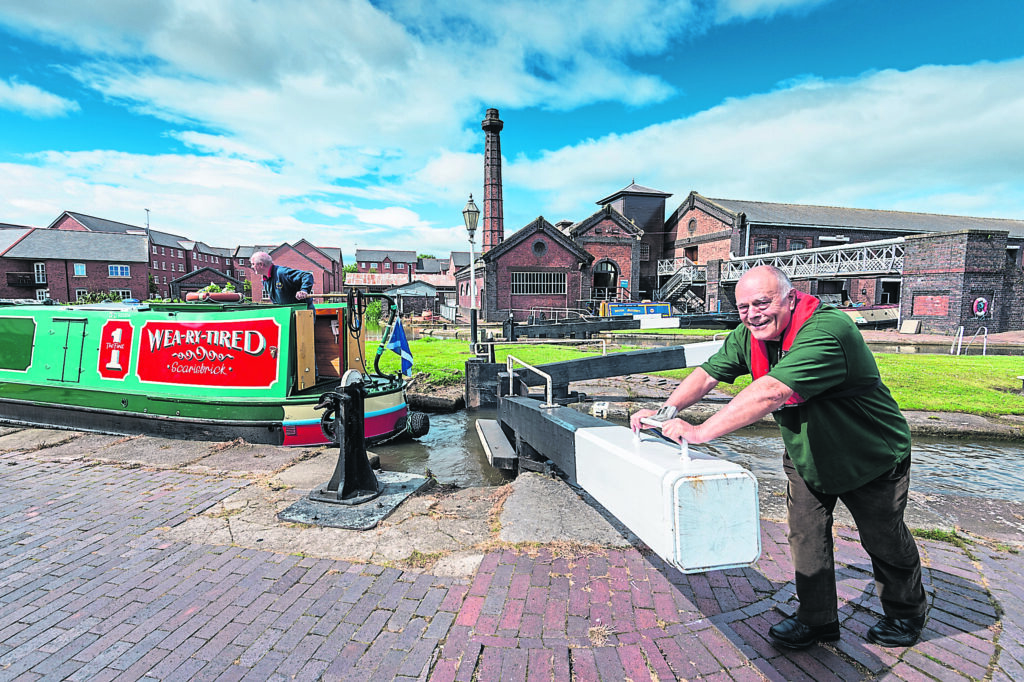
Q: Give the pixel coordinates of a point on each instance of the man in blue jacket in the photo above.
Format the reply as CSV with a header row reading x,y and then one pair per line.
x,y
282,284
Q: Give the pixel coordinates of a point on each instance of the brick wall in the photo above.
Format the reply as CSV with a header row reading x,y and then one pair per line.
x,y
619,253
710,235
62,282
164,263
944,275
537,253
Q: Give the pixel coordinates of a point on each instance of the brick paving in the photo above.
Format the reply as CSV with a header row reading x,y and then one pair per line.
x,y
91,590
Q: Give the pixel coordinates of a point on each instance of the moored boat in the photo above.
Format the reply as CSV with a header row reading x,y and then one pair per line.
x,y
214,371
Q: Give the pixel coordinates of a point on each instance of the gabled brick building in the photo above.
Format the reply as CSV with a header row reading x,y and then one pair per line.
x,y
66,265
328,261
536,269
386,262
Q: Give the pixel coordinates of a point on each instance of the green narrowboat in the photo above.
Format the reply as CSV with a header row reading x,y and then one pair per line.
x,y
205,370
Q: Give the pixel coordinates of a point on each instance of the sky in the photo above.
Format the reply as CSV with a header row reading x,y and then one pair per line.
x,y
356,124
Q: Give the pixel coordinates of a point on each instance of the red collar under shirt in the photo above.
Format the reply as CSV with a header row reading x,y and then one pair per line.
x,y
805,307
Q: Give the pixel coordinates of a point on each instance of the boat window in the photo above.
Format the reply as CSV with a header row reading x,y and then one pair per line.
x,y
18,334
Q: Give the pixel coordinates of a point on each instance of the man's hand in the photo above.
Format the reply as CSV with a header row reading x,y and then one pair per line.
x,y
301,295
680,431
634,420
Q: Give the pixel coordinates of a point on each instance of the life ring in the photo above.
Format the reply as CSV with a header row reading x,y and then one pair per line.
x,y
980,306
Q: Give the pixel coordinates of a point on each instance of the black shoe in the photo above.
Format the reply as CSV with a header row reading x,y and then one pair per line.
x,y
793,634
896,631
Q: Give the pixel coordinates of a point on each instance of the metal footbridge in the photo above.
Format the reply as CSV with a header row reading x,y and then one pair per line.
x,y
866,259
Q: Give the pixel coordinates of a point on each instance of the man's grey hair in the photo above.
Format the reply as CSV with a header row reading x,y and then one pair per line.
x,y
261,257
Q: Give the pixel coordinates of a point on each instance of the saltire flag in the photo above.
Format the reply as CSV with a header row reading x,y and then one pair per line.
x,y
399,344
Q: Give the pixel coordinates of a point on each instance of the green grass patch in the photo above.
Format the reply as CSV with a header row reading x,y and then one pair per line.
x,y
948,536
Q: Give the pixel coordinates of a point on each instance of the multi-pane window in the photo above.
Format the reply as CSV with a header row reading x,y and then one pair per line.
x,y
121,293
399,266
79,269
645,251
119,271
762,246
537,283
181,267
80,294
797,244
40,270
42,294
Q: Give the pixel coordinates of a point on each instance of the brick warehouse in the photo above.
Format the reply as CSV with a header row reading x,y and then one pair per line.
x,y
957,271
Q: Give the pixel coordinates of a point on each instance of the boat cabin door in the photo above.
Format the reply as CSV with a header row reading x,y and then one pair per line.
x,y
70,334
328,342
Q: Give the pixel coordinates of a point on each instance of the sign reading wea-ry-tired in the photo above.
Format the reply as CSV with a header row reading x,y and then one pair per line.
x,y
236,354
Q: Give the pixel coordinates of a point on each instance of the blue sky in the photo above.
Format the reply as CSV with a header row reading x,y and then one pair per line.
x,y
356,124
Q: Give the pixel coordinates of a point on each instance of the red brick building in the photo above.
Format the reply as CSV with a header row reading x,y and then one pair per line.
x,y
537,269
66,265
171,257
386,262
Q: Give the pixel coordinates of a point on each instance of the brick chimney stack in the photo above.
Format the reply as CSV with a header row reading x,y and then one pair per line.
x,y
494,221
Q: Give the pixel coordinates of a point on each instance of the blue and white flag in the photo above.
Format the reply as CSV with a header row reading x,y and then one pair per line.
x,y
399,344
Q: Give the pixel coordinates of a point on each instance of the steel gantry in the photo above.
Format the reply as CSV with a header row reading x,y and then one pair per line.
x,y
883,257
866,259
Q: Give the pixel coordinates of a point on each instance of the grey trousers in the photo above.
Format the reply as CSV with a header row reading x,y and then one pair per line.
x,y
877,508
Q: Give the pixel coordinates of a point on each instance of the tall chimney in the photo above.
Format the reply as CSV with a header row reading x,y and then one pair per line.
x,y
494,221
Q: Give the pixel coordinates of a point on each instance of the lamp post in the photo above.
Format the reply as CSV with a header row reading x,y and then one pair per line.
x,y
471,214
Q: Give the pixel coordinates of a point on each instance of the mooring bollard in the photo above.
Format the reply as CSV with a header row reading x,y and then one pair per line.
x,y
353,481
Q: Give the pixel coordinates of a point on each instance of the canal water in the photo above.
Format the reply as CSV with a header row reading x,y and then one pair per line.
x,y
993,469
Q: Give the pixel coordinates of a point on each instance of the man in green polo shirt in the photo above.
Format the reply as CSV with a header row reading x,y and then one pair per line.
x,y
845,439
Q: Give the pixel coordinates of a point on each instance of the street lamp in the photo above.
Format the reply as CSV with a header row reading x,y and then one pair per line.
x,y
471,214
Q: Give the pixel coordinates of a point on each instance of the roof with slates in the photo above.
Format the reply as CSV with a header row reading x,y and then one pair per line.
x,y
833,216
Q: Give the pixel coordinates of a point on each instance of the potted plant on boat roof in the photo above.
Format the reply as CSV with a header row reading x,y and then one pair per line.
x,y
216,293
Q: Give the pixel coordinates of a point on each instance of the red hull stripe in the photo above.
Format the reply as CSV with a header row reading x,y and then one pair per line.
x,y
307,431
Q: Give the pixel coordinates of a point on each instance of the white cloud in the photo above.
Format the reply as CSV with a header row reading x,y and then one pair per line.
x,y
889,139
220,145
392,217
33,101
744,10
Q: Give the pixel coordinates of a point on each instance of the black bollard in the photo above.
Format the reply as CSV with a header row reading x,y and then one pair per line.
x,y
353,481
